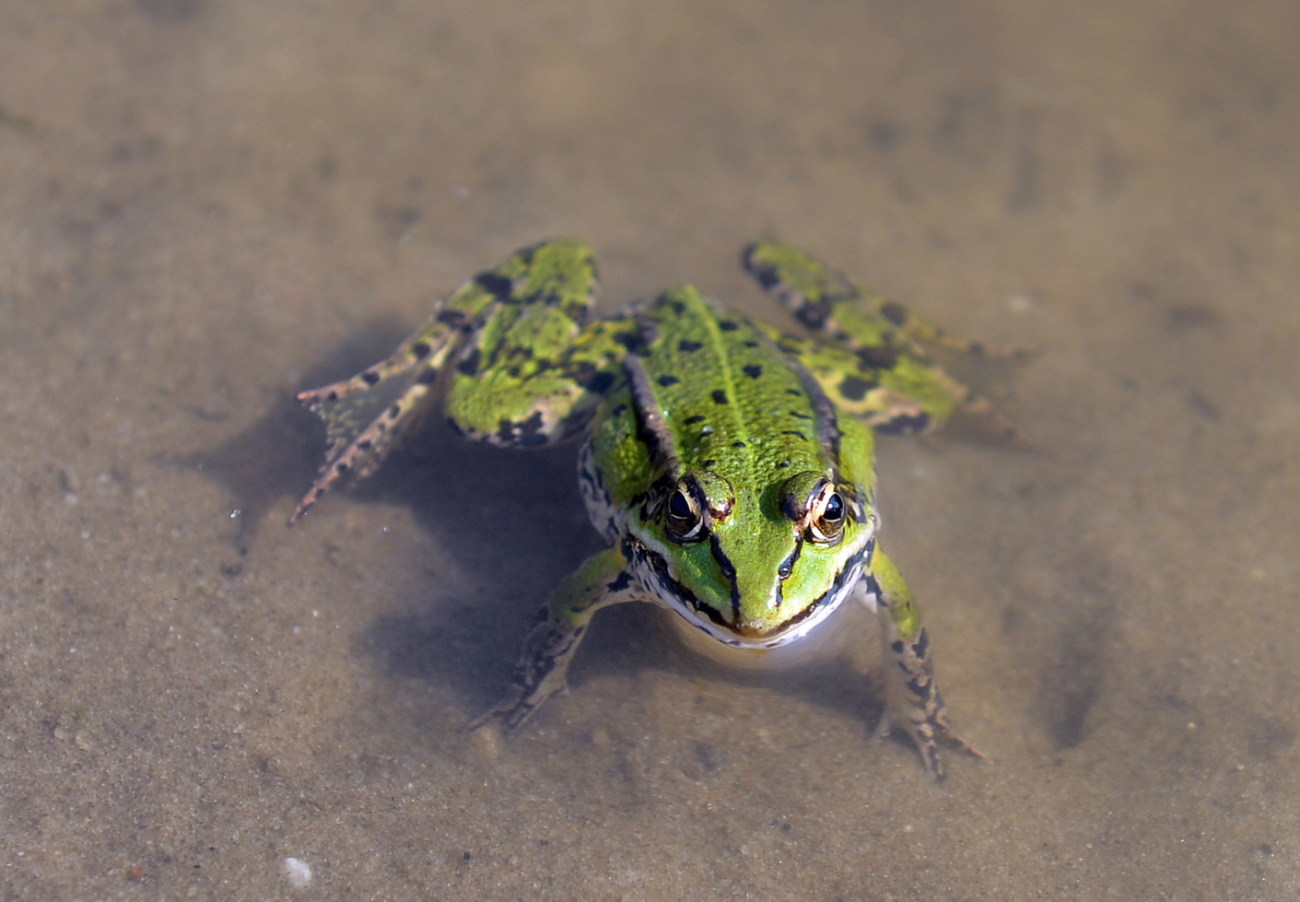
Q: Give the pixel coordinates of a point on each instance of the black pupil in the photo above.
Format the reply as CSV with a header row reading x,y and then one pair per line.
x,y
679,507
834,508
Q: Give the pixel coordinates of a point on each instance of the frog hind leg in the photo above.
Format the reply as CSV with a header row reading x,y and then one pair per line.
x,y
913,703
541,381
366,416
882,372
549,649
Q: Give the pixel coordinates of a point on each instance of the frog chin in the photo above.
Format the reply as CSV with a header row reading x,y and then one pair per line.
x,y
829,630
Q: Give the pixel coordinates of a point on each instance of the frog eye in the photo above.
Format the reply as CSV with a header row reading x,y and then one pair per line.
x,y
685,520
826,518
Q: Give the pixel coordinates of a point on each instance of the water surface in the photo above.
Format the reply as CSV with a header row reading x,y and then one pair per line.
x,y
205,207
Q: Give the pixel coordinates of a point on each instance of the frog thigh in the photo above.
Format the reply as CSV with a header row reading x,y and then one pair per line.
x,y
541,380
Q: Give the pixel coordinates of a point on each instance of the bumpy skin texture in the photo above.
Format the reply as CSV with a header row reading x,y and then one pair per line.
x,y
729,464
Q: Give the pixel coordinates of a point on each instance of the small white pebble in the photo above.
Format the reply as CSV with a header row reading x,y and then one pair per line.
x,y
298,872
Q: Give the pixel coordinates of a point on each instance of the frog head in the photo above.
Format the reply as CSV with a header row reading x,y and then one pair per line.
x,y
754,568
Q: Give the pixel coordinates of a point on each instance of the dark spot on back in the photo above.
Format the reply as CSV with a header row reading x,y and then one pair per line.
x,y
498,286
855,389
878,358
813,314
631,340
599,383
469,366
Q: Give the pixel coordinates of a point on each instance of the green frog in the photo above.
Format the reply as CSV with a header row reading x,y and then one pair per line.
x,y
729,464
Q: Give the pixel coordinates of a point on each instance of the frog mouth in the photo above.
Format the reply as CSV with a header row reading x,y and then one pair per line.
x,y
653,571
761,636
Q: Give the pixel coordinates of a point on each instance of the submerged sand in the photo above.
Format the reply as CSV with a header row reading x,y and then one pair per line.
x,y
205,207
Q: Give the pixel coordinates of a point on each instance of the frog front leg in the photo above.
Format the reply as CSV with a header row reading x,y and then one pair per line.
x,y
540,673
912,700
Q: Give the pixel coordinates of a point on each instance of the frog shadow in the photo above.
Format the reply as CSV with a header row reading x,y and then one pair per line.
x,y
508,525
840,679
498,519
471,651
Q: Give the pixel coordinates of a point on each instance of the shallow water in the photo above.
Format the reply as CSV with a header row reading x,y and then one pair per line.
x,y
205,207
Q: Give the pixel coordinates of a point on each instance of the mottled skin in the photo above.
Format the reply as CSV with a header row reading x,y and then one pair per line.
x,y
729,465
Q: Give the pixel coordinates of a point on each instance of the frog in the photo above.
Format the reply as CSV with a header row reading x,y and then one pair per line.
x,y
729,464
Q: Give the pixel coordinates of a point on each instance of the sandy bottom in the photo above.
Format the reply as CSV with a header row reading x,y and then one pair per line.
x,y
206,206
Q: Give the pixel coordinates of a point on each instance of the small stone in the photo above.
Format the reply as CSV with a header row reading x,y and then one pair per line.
x,y
297,871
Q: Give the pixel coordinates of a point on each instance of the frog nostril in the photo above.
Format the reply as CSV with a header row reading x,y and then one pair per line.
x,y
787,566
